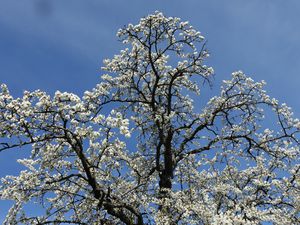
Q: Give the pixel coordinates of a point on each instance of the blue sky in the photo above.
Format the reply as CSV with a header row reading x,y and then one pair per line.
x,y
60,44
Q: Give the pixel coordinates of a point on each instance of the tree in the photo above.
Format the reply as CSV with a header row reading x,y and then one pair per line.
x,y
137,150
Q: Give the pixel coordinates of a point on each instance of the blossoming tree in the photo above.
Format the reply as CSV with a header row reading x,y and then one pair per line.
x,y
136,150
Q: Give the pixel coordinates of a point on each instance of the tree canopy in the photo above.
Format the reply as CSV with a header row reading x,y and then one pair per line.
x,y
137,149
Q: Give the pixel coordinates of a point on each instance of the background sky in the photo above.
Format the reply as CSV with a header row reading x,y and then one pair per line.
x,y
60,44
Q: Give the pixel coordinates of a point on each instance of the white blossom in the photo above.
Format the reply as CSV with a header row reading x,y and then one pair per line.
x,y
136,149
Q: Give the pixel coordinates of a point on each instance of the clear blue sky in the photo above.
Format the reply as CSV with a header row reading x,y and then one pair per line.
x,y
60,44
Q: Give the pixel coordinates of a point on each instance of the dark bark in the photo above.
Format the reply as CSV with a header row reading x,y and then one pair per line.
x,y
166,174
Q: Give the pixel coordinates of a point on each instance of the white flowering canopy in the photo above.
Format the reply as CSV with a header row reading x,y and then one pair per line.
x,y
154,158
